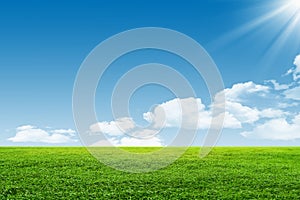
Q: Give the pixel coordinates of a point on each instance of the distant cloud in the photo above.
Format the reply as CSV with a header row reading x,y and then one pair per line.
x,y
272,113
191,113
70,132
144,133
235,98
239,90
242,113
276,129
278,86
287,105
188,112
130,141
229,121
265,109
113,128
185,113
25,127
283,123
118,133
29,133
170,114
295,71
293,93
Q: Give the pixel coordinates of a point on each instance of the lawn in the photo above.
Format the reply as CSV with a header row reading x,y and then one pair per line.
x,y
227,173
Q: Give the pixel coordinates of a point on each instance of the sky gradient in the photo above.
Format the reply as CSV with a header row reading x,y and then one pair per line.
x,y
254,44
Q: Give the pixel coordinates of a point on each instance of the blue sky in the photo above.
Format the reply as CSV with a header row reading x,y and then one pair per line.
x,y
44,43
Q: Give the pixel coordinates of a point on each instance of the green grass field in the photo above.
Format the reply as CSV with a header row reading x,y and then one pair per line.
x,y
227,173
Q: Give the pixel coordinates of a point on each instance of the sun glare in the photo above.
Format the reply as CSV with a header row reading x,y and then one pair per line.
x,y
282,18
293,7
295,4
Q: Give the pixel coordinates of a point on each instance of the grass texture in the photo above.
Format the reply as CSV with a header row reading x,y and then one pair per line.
x,y
226,173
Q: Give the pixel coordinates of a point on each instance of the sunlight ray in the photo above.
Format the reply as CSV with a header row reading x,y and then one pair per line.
x,y
284,20
282,35
244,29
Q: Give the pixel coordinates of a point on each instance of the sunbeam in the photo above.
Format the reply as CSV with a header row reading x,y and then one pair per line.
x,y
278,26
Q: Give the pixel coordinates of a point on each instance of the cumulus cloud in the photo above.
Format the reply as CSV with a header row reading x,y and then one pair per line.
x,y
243,114
189,113
129,141
239,90
124,132
265,109
293,93
144,133
276,129
278,86
70,132
178,112
295,71
283,123
283,105
229,121
240,113
297,63
272,113
28,133
113,128
171,114
25,127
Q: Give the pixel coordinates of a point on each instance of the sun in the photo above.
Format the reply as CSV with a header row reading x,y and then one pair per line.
x,y
278,23
293,6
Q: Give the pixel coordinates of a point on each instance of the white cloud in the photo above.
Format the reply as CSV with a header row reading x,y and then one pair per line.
x,y
24,127
144,133
243,114
240,113
113,128
70,132
278,86
148,116
186,113
30,133
293,93
178,113
272,113
229,121
276,129
290,71
297,63
295,71
245,104
239,90
287,105
169,114
129,141
124,132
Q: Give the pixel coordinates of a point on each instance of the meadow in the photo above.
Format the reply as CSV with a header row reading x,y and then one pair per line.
x,y
226,173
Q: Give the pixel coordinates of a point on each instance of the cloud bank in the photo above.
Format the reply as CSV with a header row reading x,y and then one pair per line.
x,y
261,111
29,133
268,111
